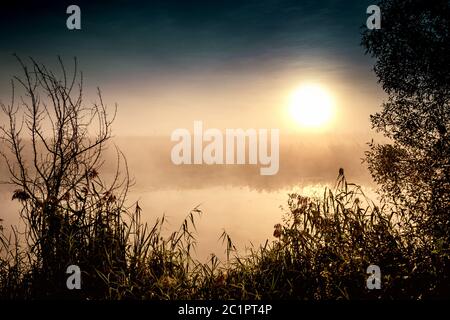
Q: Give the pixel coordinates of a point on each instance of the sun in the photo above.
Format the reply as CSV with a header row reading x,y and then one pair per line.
x,y
311,106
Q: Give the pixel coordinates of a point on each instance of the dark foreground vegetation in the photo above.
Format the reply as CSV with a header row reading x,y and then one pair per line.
x,y
52,146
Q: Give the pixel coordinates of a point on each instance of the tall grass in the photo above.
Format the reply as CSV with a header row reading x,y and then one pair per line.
x,y
320,250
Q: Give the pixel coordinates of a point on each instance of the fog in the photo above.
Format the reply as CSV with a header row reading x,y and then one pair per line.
x,y
232,197
301,161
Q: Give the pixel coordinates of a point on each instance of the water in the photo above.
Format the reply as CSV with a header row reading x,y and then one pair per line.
x,y
232,198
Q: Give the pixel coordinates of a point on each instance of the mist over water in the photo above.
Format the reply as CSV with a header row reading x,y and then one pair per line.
x,y
302,160
235,198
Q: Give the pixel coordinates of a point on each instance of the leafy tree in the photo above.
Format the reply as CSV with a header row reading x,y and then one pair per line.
x,y
412,52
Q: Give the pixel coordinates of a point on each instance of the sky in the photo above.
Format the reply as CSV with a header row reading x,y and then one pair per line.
x,y
228,63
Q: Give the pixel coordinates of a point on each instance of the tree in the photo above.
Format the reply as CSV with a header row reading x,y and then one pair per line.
x,y
52,147
412,52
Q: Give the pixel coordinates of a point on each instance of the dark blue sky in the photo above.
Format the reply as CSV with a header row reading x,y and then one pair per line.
x,y
201,57
184,34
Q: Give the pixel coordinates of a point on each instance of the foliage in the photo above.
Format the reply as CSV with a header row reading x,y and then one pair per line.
x,y
412,51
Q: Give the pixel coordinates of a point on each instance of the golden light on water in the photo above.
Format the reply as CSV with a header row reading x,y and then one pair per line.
x,y
311,106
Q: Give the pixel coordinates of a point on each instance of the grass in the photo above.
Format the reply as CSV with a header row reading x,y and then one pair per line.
x,y
321,250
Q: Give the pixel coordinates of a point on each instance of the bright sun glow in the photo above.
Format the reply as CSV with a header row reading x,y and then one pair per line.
x,y
311,106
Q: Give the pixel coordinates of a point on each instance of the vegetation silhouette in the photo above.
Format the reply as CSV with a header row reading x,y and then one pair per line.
x,y
320,250
412,53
